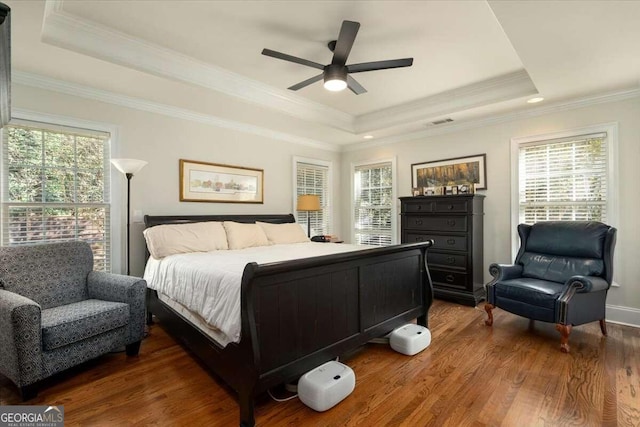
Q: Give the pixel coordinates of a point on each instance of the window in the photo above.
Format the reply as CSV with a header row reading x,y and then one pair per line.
x,y
565,176
313,177
373,204
56,187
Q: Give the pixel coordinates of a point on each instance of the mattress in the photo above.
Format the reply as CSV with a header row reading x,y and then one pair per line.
x,y
207,285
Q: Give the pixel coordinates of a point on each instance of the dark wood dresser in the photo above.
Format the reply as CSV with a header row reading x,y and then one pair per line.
x,y
455,225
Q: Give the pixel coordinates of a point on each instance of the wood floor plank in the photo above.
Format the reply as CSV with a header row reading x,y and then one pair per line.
x,y
511,374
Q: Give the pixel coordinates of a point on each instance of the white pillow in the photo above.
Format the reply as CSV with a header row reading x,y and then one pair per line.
x,y
242,236
284,233
170,239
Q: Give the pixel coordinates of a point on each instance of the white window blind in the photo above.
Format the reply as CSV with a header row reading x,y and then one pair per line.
x,y
373,204
56,187
313,178
564,179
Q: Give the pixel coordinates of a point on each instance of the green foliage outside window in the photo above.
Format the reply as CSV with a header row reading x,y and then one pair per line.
x,y
56,189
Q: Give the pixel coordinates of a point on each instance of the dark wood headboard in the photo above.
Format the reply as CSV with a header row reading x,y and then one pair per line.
x,y
150,221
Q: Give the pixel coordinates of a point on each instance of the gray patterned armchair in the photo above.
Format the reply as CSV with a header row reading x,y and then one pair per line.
x,y
56,312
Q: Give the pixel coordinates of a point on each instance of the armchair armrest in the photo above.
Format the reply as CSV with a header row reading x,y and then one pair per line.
x,y
120,288
115,287
505,271
20,338
584,284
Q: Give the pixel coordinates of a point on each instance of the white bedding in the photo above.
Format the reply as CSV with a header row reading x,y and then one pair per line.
x,y
208,283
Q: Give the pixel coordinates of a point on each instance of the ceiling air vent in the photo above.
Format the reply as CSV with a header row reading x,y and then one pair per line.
x,y
442,121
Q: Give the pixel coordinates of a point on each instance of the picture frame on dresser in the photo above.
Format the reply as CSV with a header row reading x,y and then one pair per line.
x,y
448,172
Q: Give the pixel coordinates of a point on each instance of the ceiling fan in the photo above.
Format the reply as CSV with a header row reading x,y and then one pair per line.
x,y
336,75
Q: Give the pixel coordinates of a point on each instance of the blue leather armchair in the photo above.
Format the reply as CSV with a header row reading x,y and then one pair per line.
x,y
561,275
56,312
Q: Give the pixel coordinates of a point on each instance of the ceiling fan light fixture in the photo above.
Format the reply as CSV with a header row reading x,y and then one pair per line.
x,y
335,85
335,78
337,75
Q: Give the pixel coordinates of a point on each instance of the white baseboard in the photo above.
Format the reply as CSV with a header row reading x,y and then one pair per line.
x,y
623,315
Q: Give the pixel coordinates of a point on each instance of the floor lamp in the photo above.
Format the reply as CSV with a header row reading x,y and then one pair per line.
x,y
308,203
128,167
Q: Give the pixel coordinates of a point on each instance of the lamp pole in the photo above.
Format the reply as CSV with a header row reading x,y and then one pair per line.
x,y
128,167
129,176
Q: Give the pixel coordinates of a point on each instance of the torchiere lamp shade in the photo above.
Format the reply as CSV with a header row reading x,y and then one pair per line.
x,y
126,166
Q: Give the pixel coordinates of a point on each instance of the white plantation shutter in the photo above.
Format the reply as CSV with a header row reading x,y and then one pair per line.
x,y
564,179
56,187
313,178
373,204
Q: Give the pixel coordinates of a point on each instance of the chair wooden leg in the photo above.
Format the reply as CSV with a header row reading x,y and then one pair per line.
x,y
488,307
133,348
564,330
603,327
29,392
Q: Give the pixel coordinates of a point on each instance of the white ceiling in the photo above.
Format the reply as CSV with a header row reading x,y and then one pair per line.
x,y
472,59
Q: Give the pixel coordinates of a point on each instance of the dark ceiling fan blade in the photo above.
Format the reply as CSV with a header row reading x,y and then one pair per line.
x,y
307,82
345,41
379,65
355,86
285,57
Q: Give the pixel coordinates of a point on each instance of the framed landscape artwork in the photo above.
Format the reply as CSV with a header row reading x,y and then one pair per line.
x,y
447,172
213,182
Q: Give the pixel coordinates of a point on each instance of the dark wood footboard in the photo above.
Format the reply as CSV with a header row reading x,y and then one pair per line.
x,y
299,314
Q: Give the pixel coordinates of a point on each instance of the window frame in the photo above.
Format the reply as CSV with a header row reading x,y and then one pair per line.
x,y
611,129
52,121
328,208
394,196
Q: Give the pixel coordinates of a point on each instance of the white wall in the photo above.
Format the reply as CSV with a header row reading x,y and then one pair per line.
x,y
162,141
495,142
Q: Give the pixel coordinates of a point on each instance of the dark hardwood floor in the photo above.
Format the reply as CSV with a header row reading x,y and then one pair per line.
x,y
510,375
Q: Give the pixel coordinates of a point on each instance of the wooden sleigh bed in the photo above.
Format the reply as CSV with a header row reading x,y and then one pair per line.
x,y
296,315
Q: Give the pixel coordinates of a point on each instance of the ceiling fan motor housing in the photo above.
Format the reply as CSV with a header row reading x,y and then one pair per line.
x,y
335,72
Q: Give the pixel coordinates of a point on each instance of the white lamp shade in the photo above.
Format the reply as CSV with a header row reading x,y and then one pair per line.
x,y
126,166
308,202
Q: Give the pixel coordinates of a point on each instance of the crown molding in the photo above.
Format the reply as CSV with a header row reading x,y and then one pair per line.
x,y
48,83
77,34
502,88
502,118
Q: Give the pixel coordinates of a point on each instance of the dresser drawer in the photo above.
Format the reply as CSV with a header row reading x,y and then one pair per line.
x,y
447,242
452,279
435,223
446,260
418,206
450,206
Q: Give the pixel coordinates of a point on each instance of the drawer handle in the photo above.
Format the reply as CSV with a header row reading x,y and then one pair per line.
x,y
450,207
451,241
451,222
419,207
451,260
418,222
449,278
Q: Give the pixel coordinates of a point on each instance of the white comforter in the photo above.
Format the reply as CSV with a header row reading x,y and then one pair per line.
x,y
209,282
